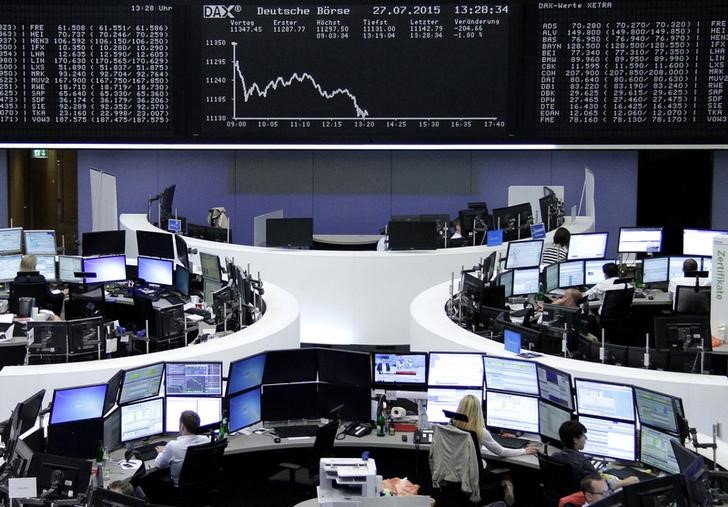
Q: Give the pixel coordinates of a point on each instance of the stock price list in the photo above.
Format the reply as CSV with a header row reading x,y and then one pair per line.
x,y
72,70
361,73
632,70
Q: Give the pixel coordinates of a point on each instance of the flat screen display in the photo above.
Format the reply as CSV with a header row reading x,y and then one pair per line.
x,y
400,369
244,409
78,403
67,266
107,269
656,450
699,242
615,401
209,410
11,240
511,412
655,269
156,271
656,409
610,439
512,341
140,383
512,375
550,419
155,244
210,265
46,266
506,280
675,266
571,274
9,266
593,273
555,386
455,370
525,281
640,240
193,379
143,419
552,277
587,246
524,254
494,237
40,242
245,373
439,399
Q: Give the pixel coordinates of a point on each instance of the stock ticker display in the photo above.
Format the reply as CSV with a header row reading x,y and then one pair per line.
x,y
185,71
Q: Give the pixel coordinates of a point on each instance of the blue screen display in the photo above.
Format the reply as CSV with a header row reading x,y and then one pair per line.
x,y
107,269
245,409
245,374
156,271
78,403
494,237
512,341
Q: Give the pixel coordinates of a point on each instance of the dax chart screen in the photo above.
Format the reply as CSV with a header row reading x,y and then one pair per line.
x,y
355,72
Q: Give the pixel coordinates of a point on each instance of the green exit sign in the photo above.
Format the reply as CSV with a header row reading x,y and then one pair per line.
x,y
39,154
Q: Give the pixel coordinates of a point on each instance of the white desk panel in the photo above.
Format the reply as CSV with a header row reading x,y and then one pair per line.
x,y
348,297
702,395
277,329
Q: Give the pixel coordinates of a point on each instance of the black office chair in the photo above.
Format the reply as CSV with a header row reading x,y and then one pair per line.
x,y
692,300
200,474
557,479
305,477
85,301
39,291
615,315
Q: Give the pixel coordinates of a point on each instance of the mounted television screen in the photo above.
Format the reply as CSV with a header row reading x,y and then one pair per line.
x,y
155,244
408,369
640,240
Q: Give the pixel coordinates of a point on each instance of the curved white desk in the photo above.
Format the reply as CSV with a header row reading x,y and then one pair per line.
x,y
348,297
703,395
278,328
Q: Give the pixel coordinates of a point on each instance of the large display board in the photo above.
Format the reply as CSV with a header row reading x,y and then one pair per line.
x,y
522,71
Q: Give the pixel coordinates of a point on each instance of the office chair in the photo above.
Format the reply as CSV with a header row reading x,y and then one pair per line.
x,y
85,301
306,476
39,291
615,315
201,471
557,478
455,466
692,300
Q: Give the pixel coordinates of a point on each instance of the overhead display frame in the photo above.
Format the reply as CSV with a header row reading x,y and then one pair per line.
x,y
513,74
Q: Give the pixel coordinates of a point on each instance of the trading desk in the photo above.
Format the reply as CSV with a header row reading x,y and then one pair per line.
x,y
347,297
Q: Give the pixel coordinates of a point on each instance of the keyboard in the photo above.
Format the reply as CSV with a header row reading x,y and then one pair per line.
x,y
511,442
147,452
198,311
303,430
623,473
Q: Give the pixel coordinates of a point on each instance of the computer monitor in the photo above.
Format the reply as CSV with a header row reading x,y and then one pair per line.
x,y
488,266
512,341
142,419
140,383
413,235
550,419
675,265
660,491
656,450
210,288
511,375
46,266
656,269
551,209
551,277
609,438
182,280
525,281
560,317
692,300
529,339
209,410
455,369
524,254
538,231
682,332
29,410
604,399
9,267
71,476
165,203
244,409
169,323
472,287
50,337
345,367
67,266
507,411
514,220
571,274
290,365
289,232
40,242
155,244
11,241
472,219
493,296
110,268
657,410
348,402
590,245
193,378
555,386
640,240
284,402
406,370
112,390
593,273
439,399
210,264
84,335
245,373
697,480
506,280
494,237
103,243
78,403
156,271
174,225
700,241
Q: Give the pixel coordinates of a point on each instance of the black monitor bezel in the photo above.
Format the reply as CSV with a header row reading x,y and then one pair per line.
x,y
228,392
152,244
162,400
514,245
229,399
542,366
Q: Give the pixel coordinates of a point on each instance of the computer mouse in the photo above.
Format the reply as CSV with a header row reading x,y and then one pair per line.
x,y
650,297
277,440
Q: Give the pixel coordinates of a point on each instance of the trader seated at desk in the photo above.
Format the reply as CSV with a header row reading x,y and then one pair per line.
x,y
611,274
27,277
690,265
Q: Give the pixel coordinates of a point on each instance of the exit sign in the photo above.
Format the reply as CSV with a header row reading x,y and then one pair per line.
x,y
39,154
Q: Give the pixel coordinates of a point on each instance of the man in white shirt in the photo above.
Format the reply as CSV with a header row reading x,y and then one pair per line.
x,y
173,454
611,273
690,265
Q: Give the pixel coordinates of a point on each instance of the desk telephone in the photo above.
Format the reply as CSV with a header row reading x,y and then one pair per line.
x,y
358,429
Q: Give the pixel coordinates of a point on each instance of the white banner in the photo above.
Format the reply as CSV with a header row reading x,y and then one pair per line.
x,y
718,294
103,201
